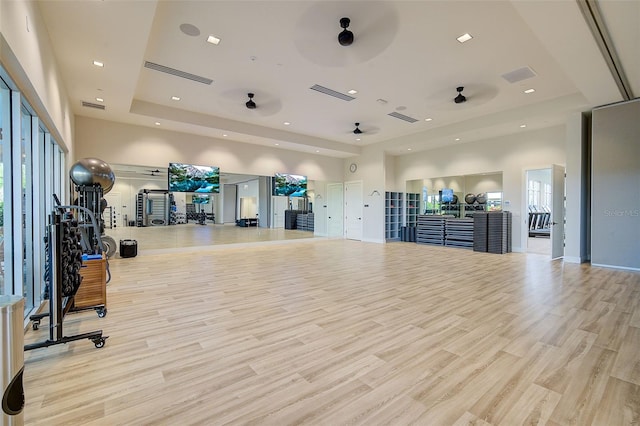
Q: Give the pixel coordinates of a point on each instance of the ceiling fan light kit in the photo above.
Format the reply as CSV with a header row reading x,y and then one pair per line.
x,y
345,38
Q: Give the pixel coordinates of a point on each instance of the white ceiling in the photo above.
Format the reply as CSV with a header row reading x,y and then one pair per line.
x,y
405,52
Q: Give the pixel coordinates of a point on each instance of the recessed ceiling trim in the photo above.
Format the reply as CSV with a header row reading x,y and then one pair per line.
x,y
331,92
92,105
593,17
402,117
177,73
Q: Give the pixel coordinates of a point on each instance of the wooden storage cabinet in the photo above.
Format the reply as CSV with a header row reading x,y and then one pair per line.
x,y
92,292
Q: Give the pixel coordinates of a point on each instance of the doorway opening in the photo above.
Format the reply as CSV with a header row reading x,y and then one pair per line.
x,y
539,206
544,211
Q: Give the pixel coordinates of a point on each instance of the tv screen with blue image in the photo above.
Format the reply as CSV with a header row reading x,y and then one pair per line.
x,y
447,195
200,199
290,185
192,178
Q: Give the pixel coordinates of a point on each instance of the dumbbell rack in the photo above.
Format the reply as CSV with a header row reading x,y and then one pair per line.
x,y
63,277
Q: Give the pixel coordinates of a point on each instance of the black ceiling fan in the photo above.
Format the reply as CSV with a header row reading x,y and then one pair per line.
x,y
460,98
345,38
250,103
357,130
155,172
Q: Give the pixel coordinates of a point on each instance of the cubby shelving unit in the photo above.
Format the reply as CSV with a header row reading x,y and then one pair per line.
x,y
393,215
412,208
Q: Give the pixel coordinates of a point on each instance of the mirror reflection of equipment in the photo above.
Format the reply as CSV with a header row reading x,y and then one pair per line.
x,y
93,179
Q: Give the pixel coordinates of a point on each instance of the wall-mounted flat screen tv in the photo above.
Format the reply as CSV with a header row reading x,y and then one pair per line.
x,y
192,178
290,185
200,199
447,195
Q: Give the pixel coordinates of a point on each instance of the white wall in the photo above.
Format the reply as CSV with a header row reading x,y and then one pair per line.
x,y
511,155
118,143
318,196
27,55
371,171
475,184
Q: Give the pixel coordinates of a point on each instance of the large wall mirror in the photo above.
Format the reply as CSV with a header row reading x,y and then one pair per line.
x,y
460,195
202,219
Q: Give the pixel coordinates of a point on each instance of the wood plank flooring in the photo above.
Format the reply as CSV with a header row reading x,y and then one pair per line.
x,y
331,332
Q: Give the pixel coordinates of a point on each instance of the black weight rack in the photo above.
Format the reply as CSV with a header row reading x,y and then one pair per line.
x,y
64,260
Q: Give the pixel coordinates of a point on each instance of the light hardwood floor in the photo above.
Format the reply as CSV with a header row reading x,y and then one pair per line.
x,y
329,332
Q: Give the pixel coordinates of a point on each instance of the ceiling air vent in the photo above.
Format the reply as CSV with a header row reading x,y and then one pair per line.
x,y
519,75
403,117
177,73
330,92
92,105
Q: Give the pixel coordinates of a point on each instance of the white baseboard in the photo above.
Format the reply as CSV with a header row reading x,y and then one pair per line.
x,y
626,268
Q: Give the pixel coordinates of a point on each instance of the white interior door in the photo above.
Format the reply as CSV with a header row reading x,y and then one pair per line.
x,y
114,200
353,210
279,203
557,211
335,209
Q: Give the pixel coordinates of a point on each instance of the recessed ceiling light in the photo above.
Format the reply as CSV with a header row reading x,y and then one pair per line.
x,y
464,37
428,119
224,135
286,123
457,139
358,139
529,91
175,98
98,64
157,123
317,150
352,92
99,99
276,144
213,40
408,149
523,126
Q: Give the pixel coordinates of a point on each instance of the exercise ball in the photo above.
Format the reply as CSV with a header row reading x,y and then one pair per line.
x,y
481,198
92,171
470,198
